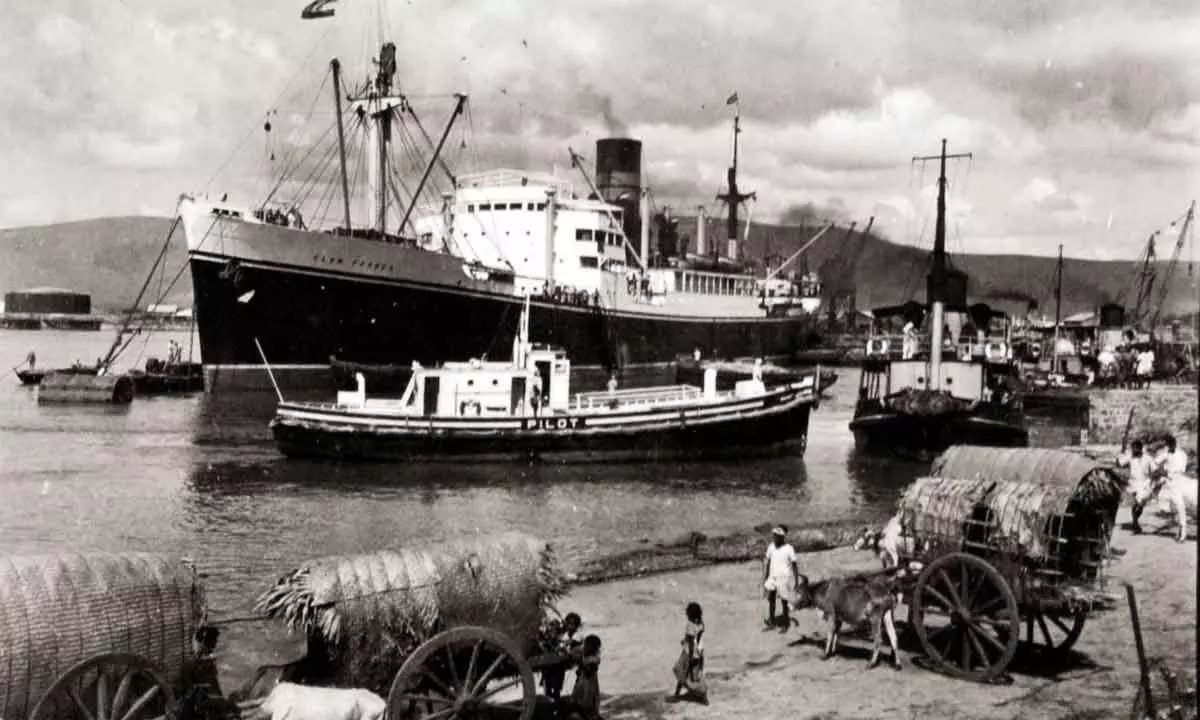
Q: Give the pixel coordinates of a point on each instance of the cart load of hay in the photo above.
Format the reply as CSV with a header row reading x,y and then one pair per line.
x,y
364,614
1047,508
60,611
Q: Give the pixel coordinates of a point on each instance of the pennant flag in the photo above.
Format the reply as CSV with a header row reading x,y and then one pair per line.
x,y
732,99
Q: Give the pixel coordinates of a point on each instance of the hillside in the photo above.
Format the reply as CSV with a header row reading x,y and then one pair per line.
x,y
109,258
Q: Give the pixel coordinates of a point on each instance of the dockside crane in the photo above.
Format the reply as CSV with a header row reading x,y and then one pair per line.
x,y
839,271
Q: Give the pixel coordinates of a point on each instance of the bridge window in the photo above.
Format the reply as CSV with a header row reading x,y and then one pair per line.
x,y
514,206
484,207
588,261
471,208
528,206
541,207
583,235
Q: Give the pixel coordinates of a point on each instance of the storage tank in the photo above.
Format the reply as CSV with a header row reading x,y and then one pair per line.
x,y
48,301
619,179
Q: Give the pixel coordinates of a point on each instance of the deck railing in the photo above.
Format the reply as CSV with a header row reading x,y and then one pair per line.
x,y
891,346
637,396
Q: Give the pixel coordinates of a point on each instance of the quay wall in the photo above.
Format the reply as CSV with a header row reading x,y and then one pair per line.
x,y
1156,410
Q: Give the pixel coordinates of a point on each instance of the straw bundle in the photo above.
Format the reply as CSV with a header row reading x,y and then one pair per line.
x,y
364,614
59,610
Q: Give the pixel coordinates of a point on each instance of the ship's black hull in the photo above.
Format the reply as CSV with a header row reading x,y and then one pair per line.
x,y
890,432
303,319
780,433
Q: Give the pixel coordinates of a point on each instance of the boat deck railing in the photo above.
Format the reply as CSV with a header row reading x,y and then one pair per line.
x,y
638,396
890,346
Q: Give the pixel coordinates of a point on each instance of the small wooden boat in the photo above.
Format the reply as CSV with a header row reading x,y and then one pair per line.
x,y
690,371
523,409
168,378
33,377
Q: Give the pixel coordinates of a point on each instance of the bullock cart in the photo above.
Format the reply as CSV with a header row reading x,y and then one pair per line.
x,y
444,631
1010,542
95,636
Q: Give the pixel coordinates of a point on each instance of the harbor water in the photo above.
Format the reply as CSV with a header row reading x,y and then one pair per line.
x,y
199,476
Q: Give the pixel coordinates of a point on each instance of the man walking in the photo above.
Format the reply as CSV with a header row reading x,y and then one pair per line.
x,y
1140,467
781,576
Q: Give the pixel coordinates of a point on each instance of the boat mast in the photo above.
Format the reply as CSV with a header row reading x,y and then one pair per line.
x,y
383,118
336,67
1057,310
733,198
937,286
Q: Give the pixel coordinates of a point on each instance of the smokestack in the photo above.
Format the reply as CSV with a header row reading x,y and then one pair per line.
x,y
619,178
701,223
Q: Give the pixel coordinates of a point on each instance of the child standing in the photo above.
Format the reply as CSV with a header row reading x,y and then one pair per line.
x,y
563,645
689,668
585,696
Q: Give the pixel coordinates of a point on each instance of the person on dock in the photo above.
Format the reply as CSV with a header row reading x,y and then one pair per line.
x,y
689,668
31,359
909,342
1172,461
780,573
1140,467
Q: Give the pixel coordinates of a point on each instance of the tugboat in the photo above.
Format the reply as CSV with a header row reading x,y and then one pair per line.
x,y
523,410
953,388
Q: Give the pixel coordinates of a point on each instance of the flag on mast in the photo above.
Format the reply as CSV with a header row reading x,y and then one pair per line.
x,y
732,99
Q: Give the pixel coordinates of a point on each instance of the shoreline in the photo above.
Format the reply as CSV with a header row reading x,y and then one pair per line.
x,y
640,619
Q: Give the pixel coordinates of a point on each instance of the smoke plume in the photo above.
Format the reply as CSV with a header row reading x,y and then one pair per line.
x,y
601,104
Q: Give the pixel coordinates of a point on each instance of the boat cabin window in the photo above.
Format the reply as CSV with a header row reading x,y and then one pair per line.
x,y
471,208
484,207
583,235
528,206
541,207
588,261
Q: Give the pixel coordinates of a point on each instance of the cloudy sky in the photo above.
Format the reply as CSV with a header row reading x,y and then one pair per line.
x,y
1083,115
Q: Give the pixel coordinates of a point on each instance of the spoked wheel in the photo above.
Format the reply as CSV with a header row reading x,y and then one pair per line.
x,y
965,616
111,686
1052,634
461,674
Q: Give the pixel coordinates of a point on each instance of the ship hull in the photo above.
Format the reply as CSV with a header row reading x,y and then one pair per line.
x,y
774,424
896,433
301,318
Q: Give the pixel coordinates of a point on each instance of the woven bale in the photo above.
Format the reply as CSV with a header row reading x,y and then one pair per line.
x,y
59,610
1095,484
364,614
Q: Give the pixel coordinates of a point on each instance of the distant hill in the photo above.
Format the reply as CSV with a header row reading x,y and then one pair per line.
x,y
109,258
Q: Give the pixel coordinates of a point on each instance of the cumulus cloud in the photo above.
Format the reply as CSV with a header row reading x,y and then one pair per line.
x,y
111,108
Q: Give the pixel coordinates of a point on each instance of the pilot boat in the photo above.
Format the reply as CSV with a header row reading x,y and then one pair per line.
x,y
523,409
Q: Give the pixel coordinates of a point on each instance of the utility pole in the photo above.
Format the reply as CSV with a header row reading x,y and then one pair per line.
x,y
1057,310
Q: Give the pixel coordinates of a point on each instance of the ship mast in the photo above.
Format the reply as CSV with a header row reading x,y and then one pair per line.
x,y
374,108
937,273
733,198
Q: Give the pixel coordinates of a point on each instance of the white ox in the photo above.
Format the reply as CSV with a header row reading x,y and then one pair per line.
x,y
289,701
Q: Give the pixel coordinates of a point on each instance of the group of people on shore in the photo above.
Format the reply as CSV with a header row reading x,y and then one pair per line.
x,y
564,651
1149,470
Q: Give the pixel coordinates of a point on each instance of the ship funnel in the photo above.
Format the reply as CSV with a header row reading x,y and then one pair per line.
x,y
619,179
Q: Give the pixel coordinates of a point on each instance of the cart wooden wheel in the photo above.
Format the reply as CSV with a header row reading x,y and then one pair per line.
x,y
467,672
111,686
965,615
1053,634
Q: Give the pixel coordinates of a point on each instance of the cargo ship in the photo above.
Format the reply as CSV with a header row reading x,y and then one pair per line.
x,y
401,280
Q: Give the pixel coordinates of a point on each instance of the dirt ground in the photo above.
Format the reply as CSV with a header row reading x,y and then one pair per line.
x,y
765,675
